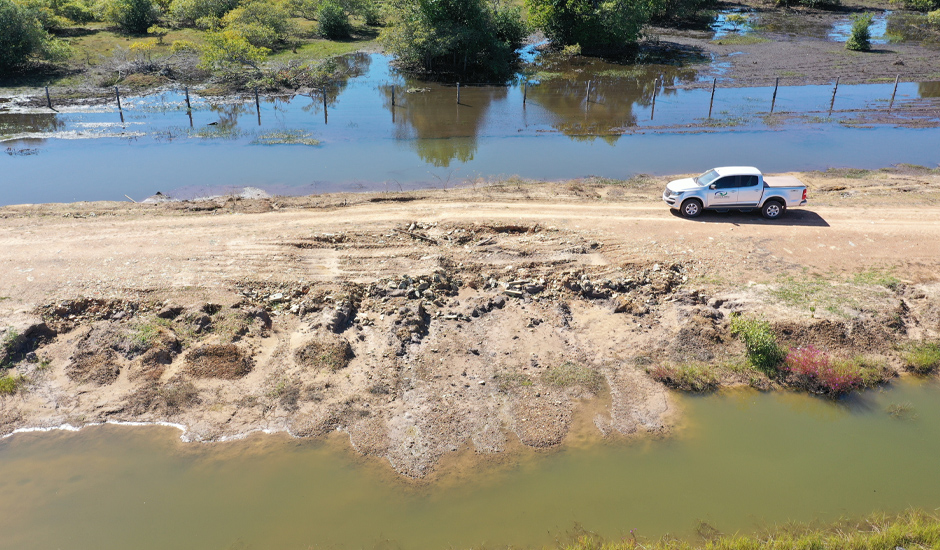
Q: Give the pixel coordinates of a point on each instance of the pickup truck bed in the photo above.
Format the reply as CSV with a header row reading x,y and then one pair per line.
x,y
782,181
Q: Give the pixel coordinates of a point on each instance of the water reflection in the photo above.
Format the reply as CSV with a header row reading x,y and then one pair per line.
x,y
438,128
590,99
928,89
28,125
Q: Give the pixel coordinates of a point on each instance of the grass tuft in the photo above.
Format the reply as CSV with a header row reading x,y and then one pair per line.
x,y
922,358
763,351
330,354
12,383
691,378
570,374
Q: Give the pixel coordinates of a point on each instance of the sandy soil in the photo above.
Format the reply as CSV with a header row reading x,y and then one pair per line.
x,y
422,322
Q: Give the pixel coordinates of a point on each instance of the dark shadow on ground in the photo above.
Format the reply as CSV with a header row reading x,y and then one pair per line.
x,y
794,217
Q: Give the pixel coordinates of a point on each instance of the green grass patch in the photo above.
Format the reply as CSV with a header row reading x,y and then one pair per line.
x,y
912,529
318,49
760,342
739,40
792,74
922,358
878,277
691,378
570,374
12,383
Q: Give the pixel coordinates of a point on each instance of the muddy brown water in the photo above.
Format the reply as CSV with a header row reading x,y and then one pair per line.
x,y
581,117
742,461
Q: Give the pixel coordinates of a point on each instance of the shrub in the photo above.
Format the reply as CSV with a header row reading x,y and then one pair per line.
x,y
923,358
694,378
227,52
333,23
79,13
921,5
933,18
22,38
860,35
189,12
132,16
762,349
817,371
261,23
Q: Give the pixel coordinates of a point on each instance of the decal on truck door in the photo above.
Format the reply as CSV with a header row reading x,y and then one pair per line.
x,y
721,194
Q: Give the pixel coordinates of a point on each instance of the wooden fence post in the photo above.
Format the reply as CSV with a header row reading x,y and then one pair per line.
x,y
655,86
712,100
834,90
48,99
891,106
774,100
189,107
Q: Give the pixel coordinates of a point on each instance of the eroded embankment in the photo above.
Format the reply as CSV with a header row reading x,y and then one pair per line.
x,y
417,338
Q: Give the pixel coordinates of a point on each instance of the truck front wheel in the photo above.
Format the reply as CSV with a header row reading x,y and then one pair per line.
x,y
691,208
772,210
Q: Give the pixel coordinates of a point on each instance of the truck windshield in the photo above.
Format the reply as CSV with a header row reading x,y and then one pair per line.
x,y
707,178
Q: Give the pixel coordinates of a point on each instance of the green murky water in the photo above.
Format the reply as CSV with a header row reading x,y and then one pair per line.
x,y
743,460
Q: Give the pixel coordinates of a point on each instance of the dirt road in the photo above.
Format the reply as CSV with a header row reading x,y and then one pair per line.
x,y
423,322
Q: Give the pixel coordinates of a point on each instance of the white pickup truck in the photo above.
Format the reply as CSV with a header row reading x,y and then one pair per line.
x,y
735,188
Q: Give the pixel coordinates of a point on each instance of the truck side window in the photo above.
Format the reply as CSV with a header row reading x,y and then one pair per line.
x,y
748,181
727,182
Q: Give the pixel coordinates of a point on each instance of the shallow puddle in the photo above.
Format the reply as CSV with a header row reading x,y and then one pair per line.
x,y
742,461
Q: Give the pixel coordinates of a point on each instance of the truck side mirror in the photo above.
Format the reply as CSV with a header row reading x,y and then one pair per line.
x,y
713,186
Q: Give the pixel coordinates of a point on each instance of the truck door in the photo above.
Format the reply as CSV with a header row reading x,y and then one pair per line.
x,y
749,192
725,191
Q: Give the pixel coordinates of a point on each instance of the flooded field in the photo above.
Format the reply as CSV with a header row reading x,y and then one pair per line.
x,y
562,119
767,458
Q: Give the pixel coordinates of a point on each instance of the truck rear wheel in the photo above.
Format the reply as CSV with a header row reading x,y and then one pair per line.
x,y
772,209
691,208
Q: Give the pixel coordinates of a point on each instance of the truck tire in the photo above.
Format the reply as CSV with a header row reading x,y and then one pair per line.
x,y
773,209
691,208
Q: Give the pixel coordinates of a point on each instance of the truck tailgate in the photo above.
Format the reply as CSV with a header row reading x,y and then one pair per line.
x,y
783,181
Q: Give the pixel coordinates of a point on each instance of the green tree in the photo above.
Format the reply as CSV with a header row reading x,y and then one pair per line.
x,y
263,24
187,12
229,53
860,35
133,16
596,25
332,21
456,37
22,38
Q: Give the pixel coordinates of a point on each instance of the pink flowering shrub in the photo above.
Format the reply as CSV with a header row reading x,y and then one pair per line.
x,y
820,372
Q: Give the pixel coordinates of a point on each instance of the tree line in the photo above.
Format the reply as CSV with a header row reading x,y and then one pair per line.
x,y
460,39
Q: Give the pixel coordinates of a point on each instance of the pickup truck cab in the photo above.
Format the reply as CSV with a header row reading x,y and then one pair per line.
x,y
735,188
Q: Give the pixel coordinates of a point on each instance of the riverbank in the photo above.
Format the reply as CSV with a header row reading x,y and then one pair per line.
x,y
914,528
425,321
